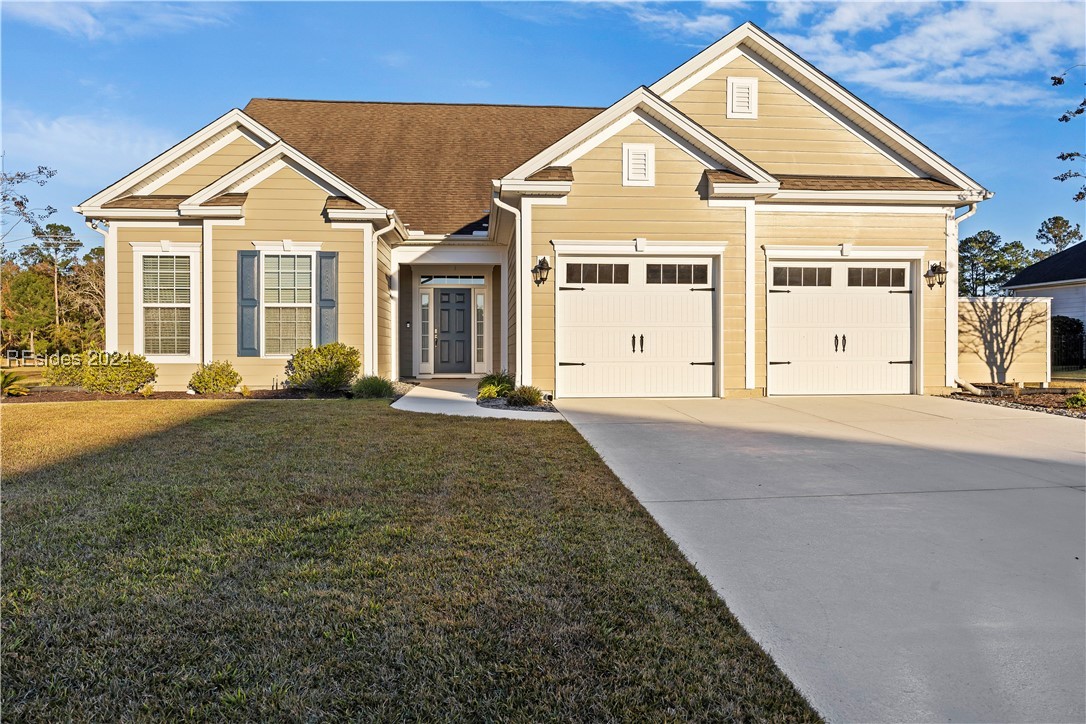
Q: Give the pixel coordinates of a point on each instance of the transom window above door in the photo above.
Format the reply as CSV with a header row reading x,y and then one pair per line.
x,y
802,276
676,273
876,277
598,273
433,280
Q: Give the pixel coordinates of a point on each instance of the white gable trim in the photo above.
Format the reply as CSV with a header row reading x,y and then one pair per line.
x,y
163,160
850,105
151,185
264,164
645,106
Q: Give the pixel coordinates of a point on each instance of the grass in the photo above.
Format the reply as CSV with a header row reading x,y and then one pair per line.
x,y
339,559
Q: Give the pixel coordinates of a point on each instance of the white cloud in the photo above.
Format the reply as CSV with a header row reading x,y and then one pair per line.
x,y
988,53
478,83
85,150
106,20
394,59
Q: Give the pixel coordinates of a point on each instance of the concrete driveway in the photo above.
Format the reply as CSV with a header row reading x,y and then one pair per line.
x,y
901,558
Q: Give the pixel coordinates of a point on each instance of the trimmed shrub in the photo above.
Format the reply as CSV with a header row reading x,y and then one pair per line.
x,y
327,368
525,396
502,383
372,386
490,392
117,374
214,378
1076,400
64,371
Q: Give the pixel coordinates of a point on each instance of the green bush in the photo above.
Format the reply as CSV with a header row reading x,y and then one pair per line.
x,y
327,368
372,386
213,378
64,371
525,396
502,383
490,392
10,385
1076,400
117,373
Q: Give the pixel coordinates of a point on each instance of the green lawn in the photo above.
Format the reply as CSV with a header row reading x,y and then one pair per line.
x,y
339,559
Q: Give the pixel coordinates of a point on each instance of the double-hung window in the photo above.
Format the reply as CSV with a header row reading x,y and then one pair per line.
x,y
287,302
167,302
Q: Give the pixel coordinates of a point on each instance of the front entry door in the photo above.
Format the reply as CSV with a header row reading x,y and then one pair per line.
x,y
453,331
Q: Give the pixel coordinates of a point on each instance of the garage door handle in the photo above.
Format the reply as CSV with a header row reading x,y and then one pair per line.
x,y
836,340
571,364
633,343
844,342
642,344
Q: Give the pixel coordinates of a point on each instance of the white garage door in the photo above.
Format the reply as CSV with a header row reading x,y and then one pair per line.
x,y
840,328
635,327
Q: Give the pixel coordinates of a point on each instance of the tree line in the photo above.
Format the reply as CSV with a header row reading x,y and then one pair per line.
x,y
986,262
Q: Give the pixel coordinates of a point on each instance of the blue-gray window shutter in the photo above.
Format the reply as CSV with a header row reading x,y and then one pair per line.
x,y
248,304
327,292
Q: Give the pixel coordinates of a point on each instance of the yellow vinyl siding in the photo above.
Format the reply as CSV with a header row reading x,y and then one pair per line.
x,y
866,229
600,208
384,310
211,169
790,134
1003,340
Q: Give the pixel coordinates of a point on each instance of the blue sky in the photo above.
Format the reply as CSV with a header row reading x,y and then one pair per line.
x,y
96,89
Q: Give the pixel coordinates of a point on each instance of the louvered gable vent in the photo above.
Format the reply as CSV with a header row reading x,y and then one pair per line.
x,y
638,164
742,97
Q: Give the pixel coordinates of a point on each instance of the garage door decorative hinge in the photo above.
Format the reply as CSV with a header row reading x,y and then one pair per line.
x,y
901,291
703,289
702,363
571,289
780,363
571,364
902,362
780,291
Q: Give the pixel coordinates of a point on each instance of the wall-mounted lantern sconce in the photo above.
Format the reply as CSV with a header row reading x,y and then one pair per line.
x,y
935,275
541,271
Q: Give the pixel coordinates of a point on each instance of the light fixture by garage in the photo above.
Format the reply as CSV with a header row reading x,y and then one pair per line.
x,y
541,271
936,274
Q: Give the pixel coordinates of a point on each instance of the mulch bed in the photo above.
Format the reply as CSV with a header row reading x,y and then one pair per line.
x,y
1053,403
499,403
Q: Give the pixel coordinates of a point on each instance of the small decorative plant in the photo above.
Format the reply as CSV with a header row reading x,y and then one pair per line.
x,y
372,386
214,378
10,386
525,396
1076,401
327,368
496,384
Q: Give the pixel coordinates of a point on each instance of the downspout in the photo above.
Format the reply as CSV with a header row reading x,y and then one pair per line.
x,y
109,291
952,313
517,281
372,363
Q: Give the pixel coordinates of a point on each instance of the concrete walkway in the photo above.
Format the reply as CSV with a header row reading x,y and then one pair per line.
x,y
457,397
901,558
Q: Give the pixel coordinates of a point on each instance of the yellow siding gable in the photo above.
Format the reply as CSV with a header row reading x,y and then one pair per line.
x,y
790,134
211,169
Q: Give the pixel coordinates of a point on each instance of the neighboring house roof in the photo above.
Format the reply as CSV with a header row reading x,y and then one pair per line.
x,y
431,162
1068,265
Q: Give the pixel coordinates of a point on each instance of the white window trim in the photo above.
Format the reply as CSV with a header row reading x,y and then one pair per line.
x,y
737,82
165,247
283,249
628,149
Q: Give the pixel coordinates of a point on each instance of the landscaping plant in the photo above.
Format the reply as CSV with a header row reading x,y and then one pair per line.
x,y
214,378
525,396
9,384
327,368
372,386
1076,400
118,374
501,384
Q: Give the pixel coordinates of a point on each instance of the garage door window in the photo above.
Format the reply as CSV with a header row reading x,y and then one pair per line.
x,y
598,273
676,273
876,277
801,276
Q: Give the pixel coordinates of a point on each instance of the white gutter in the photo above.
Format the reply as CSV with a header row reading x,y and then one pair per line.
x,y
369,320
517,283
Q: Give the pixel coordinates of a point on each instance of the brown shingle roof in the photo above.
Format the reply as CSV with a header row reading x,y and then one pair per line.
x,y
861,183
431,162
342,202
226,200
145,202
552,173
720,176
